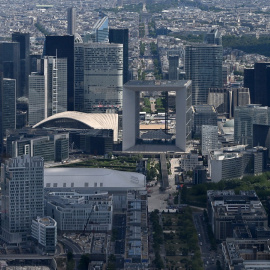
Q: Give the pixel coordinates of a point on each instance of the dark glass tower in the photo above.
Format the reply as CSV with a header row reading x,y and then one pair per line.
x,y
249,83
258,81
120,36
63,47
24,40
262,83
10,63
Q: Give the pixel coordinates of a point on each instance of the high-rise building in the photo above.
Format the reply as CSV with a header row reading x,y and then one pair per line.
x,y
249,83
22,196
79,77
225,100
7,107
103,77
10,63
244,119
48,89
209,139
213,37
71,18
173,67
120,36
99,32
63,47
203,65
24,40
258,80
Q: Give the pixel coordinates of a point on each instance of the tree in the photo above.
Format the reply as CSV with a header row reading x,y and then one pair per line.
x,y
84,262
69,256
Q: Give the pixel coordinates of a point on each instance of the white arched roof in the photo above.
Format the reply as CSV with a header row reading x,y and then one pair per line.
x,y
93,120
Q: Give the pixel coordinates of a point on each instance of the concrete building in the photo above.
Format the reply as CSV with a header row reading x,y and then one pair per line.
x,y
136,242
71,18
22,197
80,211
203,115
203,65
132,89
91,180
209,139
226,209
234,162
44,231
49,144
246,254
190,161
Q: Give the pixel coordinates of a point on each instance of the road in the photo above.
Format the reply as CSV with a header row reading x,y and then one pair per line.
x,y
209,256
73,247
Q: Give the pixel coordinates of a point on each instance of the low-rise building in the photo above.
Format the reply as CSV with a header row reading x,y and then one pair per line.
x,y
44,231
235,162
226,210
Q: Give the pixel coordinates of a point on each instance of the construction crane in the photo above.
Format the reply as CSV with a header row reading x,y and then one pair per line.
x,y
87,221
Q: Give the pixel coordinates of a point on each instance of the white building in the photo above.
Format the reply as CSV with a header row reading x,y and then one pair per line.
x,y
22,196
76,211
44,231
209,139
91,180
48,89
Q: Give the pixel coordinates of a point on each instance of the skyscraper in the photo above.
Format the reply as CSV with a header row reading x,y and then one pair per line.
x,y
258,80
22,196
103,77
173,67
71,18
7,107
10,63
79,77
63,47
203,65
99,32
213,37
24,40
120,36
48,89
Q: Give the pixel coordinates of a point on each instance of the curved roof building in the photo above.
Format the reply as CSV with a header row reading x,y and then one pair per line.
x,y
104,179
80,120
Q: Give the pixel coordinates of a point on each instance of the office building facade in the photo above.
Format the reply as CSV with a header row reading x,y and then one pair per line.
x,y
209,139
103,77
203,65
48,89
244,119
10,63
8,100
63,47
121,36
71,18
44,231
99,32
24,41
22,196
